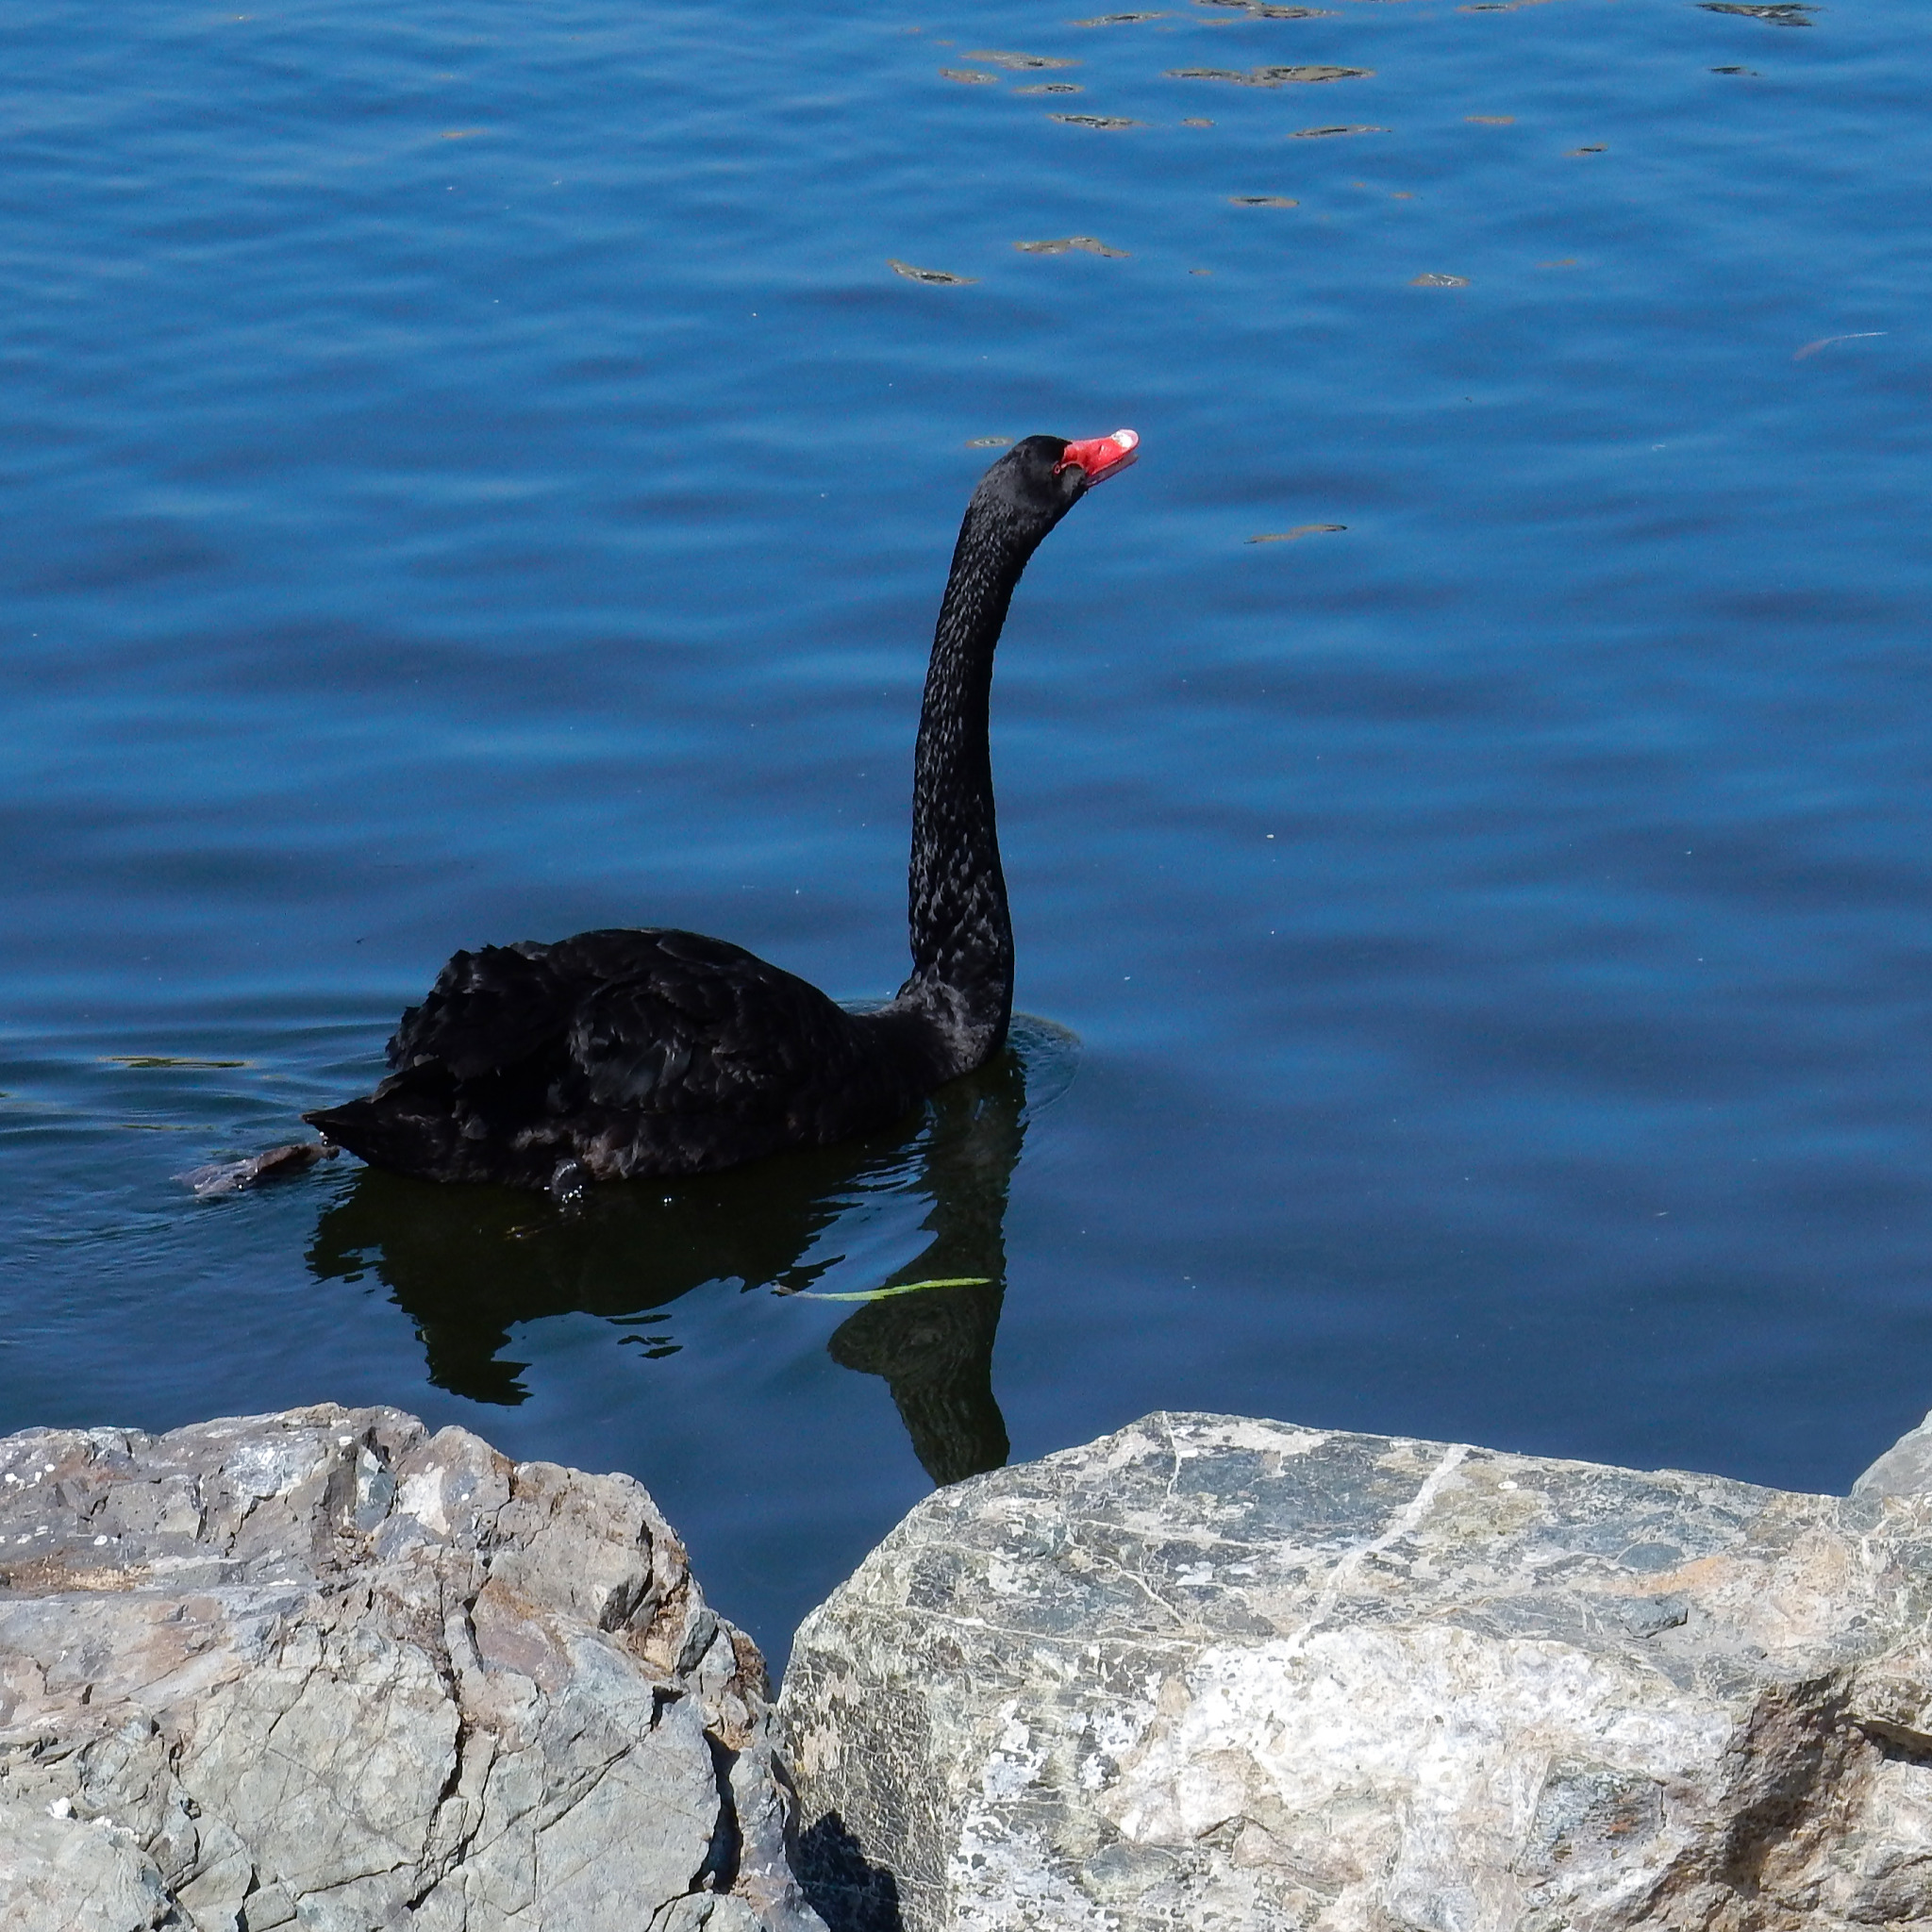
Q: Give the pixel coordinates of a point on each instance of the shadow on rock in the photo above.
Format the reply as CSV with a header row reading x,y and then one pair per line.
x,y
467,1264
844,1887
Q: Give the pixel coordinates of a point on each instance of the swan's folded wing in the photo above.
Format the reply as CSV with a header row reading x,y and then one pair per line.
x,y
488,1009
706,1027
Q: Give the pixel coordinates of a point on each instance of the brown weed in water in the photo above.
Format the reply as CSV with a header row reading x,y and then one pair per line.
x,y
1019,63
147,1061
1435,281
1266,9
937,276
1262,201
1492,120
1088,244
1299,530
1094,119
1052,87
1323,133
971,76
988,441
274,1164
1781,13
1117,20
1270,76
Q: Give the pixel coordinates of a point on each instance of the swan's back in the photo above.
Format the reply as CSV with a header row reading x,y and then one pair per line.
x,y
647,1051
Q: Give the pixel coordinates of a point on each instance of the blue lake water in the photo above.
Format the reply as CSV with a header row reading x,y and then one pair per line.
x,y
474,474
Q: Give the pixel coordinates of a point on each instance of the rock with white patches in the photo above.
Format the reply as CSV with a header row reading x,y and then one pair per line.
x,y
1225,1676
324,1670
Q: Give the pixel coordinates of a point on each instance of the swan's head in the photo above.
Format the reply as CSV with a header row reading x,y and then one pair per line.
x,y
1042,478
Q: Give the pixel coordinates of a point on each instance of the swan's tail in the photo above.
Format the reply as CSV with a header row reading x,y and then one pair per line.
x,y
398,1127
413,1123
356,1125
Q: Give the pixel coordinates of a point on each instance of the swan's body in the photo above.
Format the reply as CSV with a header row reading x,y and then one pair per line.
x,y
657,1052
631,1052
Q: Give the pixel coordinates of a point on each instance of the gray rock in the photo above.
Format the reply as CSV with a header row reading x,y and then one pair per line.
x,y
324,1670
1903,1470
1218,1673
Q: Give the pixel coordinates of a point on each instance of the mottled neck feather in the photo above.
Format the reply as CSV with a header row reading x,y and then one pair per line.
x,y
962,940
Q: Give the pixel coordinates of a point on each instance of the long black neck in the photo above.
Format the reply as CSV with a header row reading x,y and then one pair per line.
x,y
962,939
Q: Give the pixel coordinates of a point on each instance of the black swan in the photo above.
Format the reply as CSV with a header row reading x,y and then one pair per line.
x,y
656,1052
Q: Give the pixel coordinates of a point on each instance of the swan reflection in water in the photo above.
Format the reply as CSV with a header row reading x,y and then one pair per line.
x,y
467,1264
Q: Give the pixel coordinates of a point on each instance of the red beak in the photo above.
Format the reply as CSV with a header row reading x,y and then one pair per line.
x,y
1102,455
